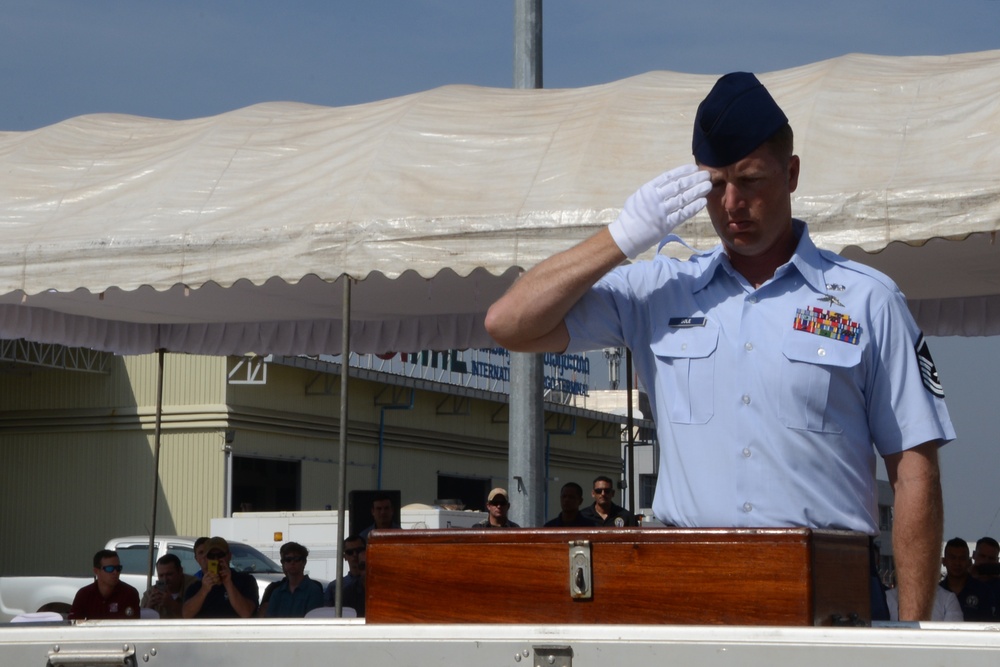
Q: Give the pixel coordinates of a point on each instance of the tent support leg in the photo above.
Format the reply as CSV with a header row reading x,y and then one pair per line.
x,y
345,359
156,464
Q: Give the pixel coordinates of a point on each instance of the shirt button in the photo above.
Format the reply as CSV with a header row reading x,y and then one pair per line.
x,y
746,452
747,507
821,352
684,346
748,346
746,399
753,299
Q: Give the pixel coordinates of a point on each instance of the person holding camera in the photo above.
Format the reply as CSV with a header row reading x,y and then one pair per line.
x,y
222,592
166,596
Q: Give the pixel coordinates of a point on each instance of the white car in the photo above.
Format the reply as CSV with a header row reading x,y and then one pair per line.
x,y
22,595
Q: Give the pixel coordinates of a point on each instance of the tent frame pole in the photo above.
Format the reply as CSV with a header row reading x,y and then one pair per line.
x,y
156,465
345,359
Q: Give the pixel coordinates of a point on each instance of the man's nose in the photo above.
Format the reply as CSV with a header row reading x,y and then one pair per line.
x,y
733,198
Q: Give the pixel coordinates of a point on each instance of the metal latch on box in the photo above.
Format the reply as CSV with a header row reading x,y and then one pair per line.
x,y
581,579
60,657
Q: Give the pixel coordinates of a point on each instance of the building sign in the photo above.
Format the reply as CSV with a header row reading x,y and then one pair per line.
x,y
487,369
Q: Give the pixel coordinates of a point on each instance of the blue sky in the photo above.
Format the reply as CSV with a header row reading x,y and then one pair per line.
x,y
185,59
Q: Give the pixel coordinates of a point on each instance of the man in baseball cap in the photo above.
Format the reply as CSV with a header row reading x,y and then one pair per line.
x,y
222,592
497,505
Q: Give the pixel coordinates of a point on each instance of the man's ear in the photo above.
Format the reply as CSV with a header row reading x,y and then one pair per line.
x,y
793,173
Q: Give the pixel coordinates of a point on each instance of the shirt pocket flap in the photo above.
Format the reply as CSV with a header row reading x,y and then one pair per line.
x,y
686,343
813,349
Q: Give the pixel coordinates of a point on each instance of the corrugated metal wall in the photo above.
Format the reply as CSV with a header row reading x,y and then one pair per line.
x,y
76,458
60,495
63,496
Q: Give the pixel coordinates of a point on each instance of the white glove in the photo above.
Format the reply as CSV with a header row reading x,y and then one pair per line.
x,y
657,207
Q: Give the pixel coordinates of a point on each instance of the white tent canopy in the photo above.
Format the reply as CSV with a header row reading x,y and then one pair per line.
x,y
224,235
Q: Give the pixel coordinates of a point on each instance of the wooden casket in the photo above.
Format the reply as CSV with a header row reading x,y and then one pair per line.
x,y
601,575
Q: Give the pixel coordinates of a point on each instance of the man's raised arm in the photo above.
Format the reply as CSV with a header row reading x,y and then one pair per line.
x,y
530,316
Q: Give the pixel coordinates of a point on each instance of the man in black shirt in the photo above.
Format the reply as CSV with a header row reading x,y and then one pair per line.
x,y
570,499
604,512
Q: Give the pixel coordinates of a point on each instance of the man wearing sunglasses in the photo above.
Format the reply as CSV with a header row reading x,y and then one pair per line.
x,y
108,596
604,512
354,580
497,505
296,594
221,593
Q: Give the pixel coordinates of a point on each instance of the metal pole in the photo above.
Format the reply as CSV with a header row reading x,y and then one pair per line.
x,y
156,465
630,424
527,445
527,43
345,358
527,424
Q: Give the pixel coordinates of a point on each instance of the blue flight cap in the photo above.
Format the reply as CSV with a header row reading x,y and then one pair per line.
x,y
736,117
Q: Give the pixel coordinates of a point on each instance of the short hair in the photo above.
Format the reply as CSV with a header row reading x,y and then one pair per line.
x,y
987,541
782,142
170,559
604,478
355,538
381,495
200,541
573,485
293,548
957,543
102,554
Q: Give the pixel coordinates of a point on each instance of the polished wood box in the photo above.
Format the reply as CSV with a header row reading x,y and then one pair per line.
x,y
604,575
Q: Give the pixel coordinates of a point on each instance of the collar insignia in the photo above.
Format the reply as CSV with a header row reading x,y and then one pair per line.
x,y
831,299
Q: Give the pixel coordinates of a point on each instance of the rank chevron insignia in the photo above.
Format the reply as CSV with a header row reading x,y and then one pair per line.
x,y
928,372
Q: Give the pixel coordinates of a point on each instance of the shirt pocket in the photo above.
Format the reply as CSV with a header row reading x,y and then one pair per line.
x,y
685,360
812,364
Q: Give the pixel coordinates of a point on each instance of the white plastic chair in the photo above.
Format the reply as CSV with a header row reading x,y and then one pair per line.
x,y
38,617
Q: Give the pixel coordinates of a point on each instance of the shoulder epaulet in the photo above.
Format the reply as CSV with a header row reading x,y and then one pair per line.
x,y
858,267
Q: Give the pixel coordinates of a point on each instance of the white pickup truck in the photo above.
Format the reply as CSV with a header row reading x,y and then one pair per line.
x,y
19,595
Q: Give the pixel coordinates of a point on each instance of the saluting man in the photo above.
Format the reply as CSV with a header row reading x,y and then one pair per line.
x,y
776,370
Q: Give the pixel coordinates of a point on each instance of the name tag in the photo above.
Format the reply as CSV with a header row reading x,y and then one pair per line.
x,y
686,322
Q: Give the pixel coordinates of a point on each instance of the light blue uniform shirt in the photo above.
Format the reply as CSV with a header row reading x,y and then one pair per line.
x,y
768,401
